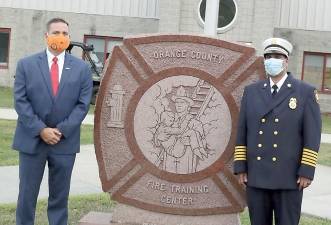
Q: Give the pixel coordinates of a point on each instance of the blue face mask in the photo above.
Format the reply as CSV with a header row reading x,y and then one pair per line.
x,y
273,66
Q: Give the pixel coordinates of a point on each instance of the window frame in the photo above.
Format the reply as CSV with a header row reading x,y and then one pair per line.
x,y
106,39
6,30
324,55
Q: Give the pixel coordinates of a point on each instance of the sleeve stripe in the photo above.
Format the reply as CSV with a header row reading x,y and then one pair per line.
x,y
240,159
309,151
239,154
240,147
307,163
309,155
310,161
236,151
309,158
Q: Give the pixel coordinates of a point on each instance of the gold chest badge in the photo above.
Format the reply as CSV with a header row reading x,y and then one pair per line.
x,y
292,103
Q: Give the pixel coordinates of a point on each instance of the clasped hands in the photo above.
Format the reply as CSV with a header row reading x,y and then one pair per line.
x,y
302,181
50,136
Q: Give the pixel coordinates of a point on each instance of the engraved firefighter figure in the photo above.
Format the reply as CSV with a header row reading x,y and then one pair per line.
x,y
181,137
115,101
182,124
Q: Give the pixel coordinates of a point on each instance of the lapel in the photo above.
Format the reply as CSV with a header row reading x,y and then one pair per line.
x,y
264,91
286,89
43,65
66,71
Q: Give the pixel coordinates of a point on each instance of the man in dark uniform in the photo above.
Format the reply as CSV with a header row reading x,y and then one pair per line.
x,y
279,132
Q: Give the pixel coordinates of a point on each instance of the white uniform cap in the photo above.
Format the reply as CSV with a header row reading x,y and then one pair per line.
x,y
277,45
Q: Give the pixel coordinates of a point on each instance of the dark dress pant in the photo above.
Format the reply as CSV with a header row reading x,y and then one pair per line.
x,y
284,204
31,170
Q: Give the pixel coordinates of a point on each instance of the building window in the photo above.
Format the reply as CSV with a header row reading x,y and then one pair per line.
x,y
317,70
4,47
103,46
227,14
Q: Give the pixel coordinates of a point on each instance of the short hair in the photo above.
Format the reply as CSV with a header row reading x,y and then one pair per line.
x,y
55,20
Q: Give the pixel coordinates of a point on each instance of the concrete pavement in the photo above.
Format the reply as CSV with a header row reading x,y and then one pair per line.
x,y
10,114
85,177
317,198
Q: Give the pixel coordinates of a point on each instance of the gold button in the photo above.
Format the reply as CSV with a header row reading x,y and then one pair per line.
x,y
263,120
275,145
260,132
274,159
258,158
259,145
276,120
275,132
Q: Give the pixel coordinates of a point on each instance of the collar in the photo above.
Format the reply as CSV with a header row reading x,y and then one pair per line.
x,y
280,83
50,56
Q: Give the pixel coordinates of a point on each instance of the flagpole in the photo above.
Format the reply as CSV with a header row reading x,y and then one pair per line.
x,y
211,17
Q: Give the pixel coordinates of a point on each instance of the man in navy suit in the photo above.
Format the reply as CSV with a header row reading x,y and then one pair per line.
x,y
279,132
52,94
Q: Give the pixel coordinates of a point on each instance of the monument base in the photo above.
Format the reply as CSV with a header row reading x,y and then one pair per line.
x,y
96,218
129,215
149,218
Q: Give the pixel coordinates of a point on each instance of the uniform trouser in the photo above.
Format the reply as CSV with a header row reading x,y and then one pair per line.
x,y
284,204
31,170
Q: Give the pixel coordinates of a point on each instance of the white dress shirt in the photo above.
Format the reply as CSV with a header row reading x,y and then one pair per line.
x,y
60,61
279,84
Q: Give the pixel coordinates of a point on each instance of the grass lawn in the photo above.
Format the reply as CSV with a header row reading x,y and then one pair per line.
x,y
324,155
305,220
91,110
6,97
10,157
326,124
80,205
7,155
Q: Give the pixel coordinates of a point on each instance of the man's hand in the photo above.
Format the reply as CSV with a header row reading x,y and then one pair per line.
x,y
50,135
242,178
303,182
58,133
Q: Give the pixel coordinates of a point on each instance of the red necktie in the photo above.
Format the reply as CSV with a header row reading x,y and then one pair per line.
x,y
55,75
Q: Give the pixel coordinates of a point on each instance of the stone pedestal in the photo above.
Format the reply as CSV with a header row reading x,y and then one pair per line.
x,y
124,214
128,215
96,218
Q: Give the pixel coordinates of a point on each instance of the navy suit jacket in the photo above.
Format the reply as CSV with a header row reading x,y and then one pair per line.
x,y
278,137
37,108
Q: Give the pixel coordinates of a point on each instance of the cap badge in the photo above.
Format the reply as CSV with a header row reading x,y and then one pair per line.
x,y
293,103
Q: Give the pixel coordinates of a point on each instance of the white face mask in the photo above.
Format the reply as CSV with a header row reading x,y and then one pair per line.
x,y
273,66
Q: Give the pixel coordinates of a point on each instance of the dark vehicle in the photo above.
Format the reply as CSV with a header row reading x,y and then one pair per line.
x,y
95,65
